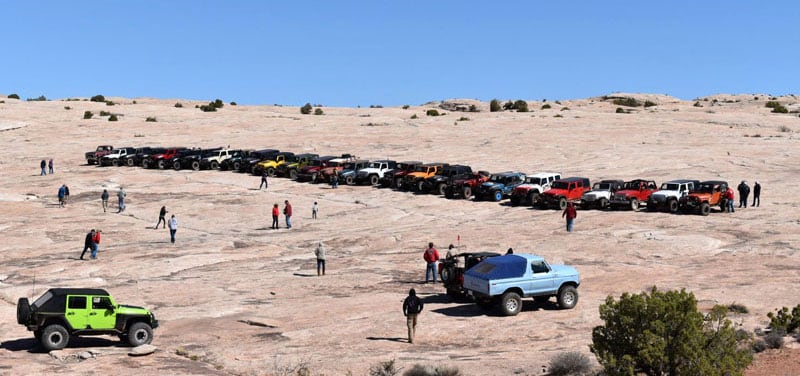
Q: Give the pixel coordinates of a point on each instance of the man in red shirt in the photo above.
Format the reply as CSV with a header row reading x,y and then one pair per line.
x,y
95,243
275,214
729,196
570,213
431,255
287,211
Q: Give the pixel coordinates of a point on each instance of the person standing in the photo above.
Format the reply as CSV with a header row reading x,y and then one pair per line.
x,y
320,253
335,180
173,228
729,197
287,211
95,244
121,198
61,194
87,243
570,213
412,306
43,165
50,165
744,191
66,194
104,199
263,180
162,217
431,256
275,213
756,194
314,209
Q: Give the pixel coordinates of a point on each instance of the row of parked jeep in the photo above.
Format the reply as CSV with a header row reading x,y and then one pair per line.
x,y
540,190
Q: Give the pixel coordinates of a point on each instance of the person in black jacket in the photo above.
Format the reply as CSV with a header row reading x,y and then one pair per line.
x,y
162,217
744,191
87,243
756,194
412,306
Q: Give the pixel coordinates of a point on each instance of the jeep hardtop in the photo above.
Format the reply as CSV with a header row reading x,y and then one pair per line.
x,y
563,191
421,172
63,312
394,178
666,198
633,194
117,156
212,159
311,171
349,170
291,169
271,165
528,193
141,154
505,280
600,194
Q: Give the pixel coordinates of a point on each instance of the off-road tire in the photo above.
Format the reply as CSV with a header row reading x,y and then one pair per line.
x,y
634,204
602,203
398,183
497,196
162,164
214,165
673,206
196,165
176,165
23,310
236,166
510,304
54,337
467,192
293,174
567,297
130,162
441,188
445,275
140,334
350,180
374,179
270,171
420,186
534,198
115,162
705,209
562,203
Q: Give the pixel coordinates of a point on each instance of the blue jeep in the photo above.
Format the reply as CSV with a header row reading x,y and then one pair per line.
x,y
506,279
500,186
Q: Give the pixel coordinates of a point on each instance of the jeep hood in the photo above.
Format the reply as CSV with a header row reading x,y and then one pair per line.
x,y
564,271
131,310
555,192
490,185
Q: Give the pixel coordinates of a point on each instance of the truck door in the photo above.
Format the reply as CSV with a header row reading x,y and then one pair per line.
x,y
102,314
77,313
541,279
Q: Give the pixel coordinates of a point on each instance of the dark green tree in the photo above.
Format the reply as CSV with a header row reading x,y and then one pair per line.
x,y
306,109
508,105
521,106
494,106
98,98
663,333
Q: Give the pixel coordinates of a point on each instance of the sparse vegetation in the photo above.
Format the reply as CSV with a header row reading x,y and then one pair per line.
x,y
463,118
521,106
432,112
627,101
233,104
405,106
387,368
569,363
151,119
508,105
110,103
319,111
414,116
88,114
558,116
546,106
784,129
375,106
113,117
306,109
494,106
759,346
620,110
784,320
774,340
40,98
697,104
105,113
776,107
564,109
428,370
97,98
473,108
13,96
67,107
648,103
737,308
178,105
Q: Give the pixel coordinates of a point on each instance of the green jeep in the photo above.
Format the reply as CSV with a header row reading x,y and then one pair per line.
x,y
63,312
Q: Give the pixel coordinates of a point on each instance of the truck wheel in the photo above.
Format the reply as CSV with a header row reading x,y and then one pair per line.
x,y
497,195
196,165
270,171
441,189
140,334
115,162
214,165
162,164
467,192
534,199
54,337
176,165
130,162
445,275
562,203
511,304
705,209
293,174
634,204
673,206
314,178
236,166
398,183
373,179
567,297
420,186
23,310
602,203
350,180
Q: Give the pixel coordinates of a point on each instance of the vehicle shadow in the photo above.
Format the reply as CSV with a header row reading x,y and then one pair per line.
x,y
393,339
31,345
464,310
304,275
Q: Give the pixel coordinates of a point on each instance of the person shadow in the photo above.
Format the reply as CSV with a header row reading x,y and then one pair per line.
x,y
392,339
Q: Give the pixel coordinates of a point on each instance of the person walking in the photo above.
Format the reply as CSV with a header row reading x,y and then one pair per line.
x,y
87,243
173,228
95,244
335,180
50,165
121,198
43,165
320,253
744,191
756,194
570,213
263,180
275,213
412,306
61,194
314,209
162,217
729,197
66,194
104,199
431,256
287,211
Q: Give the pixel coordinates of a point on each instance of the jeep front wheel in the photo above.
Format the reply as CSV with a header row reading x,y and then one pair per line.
x,y
562,203
534,199
497,195
398,183
349,180
442,188
236,166
602,203
162,164
511,304
673,206
176,165
115,162
54,337
634,204
130,162
373,179
196,165
140,334
214,165
467,192
270,171
567,297
705,209
420,186
23,310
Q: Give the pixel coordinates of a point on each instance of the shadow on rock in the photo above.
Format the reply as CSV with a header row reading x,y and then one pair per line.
x,y
393,339
23,344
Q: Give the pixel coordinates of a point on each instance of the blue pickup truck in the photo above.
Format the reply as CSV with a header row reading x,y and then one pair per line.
x,y
505,280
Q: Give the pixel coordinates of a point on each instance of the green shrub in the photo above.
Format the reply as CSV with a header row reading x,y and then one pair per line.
x,y
414,116
13,96
697,104
564,109
628,102
521,106
110,103
546,106
318,112
405,107
508,105
620,110
306,109
151,119
178,105
98,98
649,104
375,106
208,108
134,102
233,104
217,103
558,116
772,104
569,363
759,346
737,308
428,370
104,113
494,106
780,110
774,339
67,107
783,320
661,333
432,112
473,108
40,98
463,118
87,114
113,117
387,368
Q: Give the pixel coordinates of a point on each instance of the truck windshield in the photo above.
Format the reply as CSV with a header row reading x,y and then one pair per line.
x,y
560,185
670,186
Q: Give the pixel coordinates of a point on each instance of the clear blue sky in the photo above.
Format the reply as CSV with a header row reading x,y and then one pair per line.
x,y
349,53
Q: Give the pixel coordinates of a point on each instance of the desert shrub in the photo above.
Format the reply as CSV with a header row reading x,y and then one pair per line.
x,y
737,308
494,106
659,333
13,96
113,117
218,103
521,106
774,339
759,346
508,105
414,116
110,103
428,370
67,107
557,102
649,104
569,363
558,116
620,110
234,104
697,104
98,98
772,104
780,110
405,106
306,109
375,106
151,119
463,118
473,108
87,114
797,337
564,109
387,368
546,106
104,113
784,129
178,105
432,112
783,320
742,335
318,112
628,102
134,102
40,98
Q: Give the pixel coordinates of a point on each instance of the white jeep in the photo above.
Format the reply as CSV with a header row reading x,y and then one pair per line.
x,y
528,192
213,159
374,171
600,194
668,195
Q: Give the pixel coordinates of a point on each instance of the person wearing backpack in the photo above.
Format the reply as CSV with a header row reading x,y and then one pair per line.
x,y
412,306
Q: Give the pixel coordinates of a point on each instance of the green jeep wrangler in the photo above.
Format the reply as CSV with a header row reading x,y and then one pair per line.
x,y
63,312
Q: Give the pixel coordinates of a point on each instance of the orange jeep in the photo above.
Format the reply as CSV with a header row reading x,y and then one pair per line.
x,y
701,199
421,172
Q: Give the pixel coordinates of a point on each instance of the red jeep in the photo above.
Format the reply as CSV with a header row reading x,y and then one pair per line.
x,y
563,191
160,160
633,194
465,186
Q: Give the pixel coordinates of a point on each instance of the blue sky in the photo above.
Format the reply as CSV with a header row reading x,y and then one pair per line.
x,y
350,53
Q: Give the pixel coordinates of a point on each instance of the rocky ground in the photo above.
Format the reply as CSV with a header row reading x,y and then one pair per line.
x,y
235,297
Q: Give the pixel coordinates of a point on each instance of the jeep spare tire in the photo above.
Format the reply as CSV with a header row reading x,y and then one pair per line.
x,y
511,304
23,310
140,334
567,297
54,337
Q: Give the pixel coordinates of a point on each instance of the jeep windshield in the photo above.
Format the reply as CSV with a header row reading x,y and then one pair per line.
x,y
601,187
532,180
421,169
498,179
670,186
705,188
560,185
